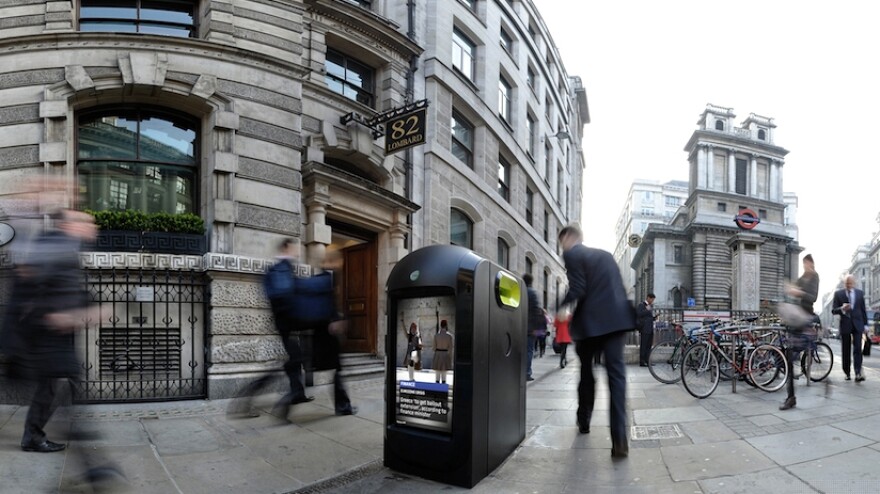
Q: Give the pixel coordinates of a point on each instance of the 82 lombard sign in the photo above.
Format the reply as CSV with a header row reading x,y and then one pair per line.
x,y
405,131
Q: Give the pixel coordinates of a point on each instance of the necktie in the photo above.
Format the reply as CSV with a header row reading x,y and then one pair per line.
x,y
850,296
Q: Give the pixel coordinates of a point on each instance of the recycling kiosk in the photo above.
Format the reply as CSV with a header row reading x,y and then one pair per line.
x,y
455,388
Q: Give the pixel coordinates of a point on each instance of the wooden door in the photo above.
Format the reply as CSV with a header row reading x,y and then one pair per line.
x,y
359,298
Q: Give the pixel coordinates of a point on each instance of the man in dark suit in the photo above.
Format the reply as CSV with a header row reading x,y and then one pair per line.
x,y
602,316
645,320
849,304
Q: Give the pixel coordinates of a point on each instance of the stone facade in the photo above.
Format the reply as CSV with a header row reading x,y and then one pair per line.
x,y
702,253
277,158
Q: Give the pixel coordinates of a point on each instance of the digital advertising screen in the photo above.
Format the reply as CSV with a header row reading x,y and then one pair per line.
x,y
425,331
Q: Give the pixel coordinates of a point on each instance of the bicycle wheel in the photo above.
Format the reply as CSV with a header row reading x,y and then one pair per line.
x,y
823,359
664,361
699,370
767,368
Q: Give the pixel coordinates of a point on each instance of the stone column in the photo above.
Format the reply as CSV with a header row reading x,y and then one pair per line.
x,y
731,171
701,167
745,291
710,168
753,176
774,181
698,281
317,232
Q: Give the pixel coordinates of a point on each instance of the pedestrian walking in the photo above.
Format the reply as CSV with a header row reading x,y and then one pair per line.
x,y
806,290
602,316
278,283
51,304
562,338
536,323
849,304
317,310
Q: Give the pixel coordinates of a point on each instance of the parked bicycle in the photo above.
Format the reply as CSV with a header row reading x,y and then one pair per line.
x,y
665,357
759,364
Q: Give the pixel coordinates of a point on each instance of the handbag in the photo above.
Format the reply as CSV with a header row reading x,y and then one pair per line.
x,y
866,350
557,347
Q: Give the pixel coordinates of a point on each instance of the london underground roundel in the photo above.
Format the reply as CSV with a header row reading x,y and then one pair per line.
x,y
746,219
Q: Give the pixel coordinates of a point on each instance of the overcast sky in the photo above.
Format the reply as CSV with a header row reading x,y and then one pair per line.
x,y
650,67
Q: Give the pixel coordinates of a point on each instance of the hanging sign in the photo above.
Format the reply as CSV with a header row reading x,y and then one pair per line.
x,y
405,131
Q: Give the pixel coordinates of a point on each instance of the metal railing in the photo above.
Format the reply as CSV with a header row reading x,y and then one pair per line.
x,y
149,341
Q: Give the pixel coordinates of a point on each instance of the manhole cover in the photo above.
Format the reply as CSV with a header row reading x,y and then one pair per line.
x,y
647,432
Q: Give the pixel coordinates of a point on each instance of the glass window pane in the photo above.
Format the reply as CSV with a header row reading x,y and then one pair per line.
x,y
108,9
164,140
108,137
160,30
174,12
460,229
107,27
334,64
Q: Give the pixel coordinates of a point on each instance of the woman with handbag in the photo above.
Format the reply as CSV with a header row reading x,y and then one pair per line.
x,y
562,338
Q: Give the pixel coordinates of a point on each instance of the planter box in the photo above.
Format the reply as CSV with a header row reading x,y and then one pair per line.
x,y
154,242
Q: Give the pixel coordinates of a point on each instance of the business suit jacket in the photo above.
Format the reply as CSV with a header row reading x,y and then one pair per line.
x,y
857,318
644,317
596,286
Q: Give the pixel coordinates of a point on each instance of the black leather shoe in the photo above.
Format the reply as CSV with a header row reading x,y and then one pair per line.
x,y
46,446
848,378
789,403
859,377
643,364
583,428
350,410
303,399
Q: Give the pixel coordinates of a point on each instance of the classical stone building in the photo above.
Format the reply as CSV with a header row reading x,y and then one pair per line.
x,y
254,116
729,247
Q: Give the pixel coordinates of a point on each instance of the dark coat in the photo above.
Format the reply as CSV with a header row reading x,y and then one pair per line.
x,y
536,320
644,317
595,285
49,281
857,318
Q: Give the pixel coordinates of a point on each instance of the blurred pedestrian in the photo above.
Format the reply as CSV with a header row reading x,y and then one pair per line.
x,y
317,310
800,337
563,339
51,304
645,320
602,316
278,283
536,323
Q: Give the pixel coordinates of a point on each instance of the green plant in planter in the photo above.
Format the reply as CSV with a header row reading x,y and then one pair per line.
x,y
131,220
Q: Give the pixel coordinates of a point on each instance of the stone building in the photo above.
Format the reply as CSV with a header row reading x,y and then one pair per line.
x,y
728,248
253,115
648,202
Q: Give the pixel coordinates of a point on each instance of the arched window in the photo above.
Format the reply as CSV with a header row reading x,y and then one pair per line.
x,y
530,265
676,298
461,229
762,135
143,159
503,253
719,125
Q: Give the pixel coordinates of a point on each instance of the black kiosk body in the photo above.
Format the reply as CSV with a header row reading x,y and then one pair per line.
x,y
455,388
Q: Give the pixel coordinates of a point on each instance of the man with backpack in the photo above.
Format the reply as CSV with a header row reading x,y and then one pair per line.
x,y
278,283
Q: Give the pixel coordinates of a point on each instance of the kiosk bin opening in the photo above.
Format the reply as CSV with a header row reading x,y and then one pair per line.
x,y
456,361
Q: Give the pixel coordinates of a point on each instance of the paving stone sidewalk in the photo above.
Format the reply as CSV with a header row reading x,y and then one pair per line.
x,y
727,443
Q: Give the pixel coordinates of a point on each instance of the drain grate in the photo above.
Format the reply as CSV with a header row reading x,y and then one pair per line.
x,y
648,432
